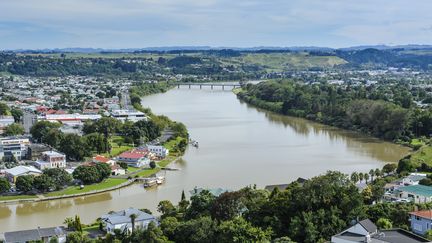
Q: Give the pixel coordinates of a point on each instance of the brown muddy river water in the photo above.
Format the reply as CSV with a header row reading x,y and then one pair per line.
x,y
239,146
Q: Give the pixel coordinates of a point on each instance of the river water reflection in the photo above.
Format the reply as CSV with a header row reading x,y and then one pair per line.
x,y
239,146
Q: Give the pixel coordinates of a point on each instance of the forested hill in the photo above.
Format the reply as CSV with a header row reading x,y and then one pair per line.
x,y
350,107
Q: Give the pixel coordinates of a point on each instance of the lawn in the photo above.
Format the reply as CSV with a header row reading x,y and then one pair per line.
x,y
423,155
110,182
115,148
18,197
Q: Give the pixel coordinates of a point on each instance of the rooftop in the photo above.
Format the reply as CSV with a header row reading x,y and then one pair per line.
x,y
123,216
427,214
418,189
19,170
33,235
131,155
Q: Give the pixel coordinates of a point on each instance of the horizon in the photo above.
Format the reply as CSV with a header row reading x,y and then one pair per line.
x,y
109,24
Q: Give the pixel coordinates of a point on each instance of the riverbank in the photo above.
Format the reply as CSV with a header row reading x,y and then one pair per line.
x,y
107,185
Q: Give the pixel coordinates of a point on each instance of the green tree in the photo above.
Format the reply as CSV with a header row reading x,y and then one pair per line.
x,y
428,235
366,177
59,176
74,147
166,208
14,129
77,224
372,174
197,230
69,222
132,219
354,177
239,230
384,223
87,174
152,164
4,109
4,185
77,237
200,205
17,114
41,128
389,168
169,226
104,170
227,206
24,183
96,142
43,183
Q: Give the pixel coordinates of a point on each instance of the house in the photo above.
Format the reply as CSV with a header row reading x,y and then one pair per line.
x,y
121,220
421,221
412,179
21,170
130,115
103,159
14,146
366,231
160,151
416,193
44,235
133,159
50,160
117,170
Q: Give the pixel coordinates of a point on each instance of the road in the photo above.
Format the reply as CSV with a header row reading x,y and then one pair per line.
x,y
29,119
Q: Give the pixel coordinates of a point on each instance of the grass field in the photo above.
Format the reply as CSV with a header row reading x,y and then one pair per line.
x,y
110,182
18,197
423,155
275,62
117,149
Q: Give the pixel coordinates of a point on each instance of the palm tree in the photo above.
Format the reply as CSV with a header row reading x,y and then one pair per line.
x,y
366,176
361,176
354,177
372,173
377,172
132,218
69,222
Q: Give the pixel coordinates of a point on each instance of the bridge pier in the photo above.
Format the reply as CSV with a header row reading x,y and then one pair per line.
x,y
200,86
212,86
189,86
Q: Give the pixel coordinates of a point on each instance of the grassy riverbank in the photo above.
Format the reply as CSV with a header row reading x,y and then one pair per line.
x,y
106,184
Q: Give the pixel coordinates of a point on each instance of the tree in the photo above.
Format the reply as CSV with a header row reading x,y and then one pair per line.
x,y
202,229
428,235
169,226
200,205
361,176
378,172
153,234
132,218
4,109
123,165
14,129
239,230
366,177
384,223
4,185
354,177
389,168
104,170
96,142
74,147
227,206
86,174
41,128
59,176
69,222
17,114
152,164
43,183
77,237
372,173
166,208
24,183
77,224
53,137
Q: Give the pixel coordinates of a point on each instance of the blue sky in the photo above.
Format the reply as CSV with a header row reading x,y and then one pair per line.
x,y
35,24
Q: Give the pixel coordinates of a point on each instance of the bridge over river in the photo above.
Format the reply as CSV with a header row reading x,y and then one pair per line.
x,y
211,85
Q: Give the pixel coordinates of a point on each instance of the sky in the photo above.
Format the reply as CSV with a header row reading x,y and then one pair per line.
x,y
38,24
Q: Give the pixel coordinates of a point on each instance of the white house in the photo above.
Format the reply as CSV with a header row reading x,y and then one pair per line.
x,y
130,115
21,170
160,151
51,159
367,232
121,220
412,179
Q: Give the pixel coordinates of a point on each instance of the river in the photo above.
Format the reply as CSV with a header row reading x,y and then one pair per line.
x,y
239,146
